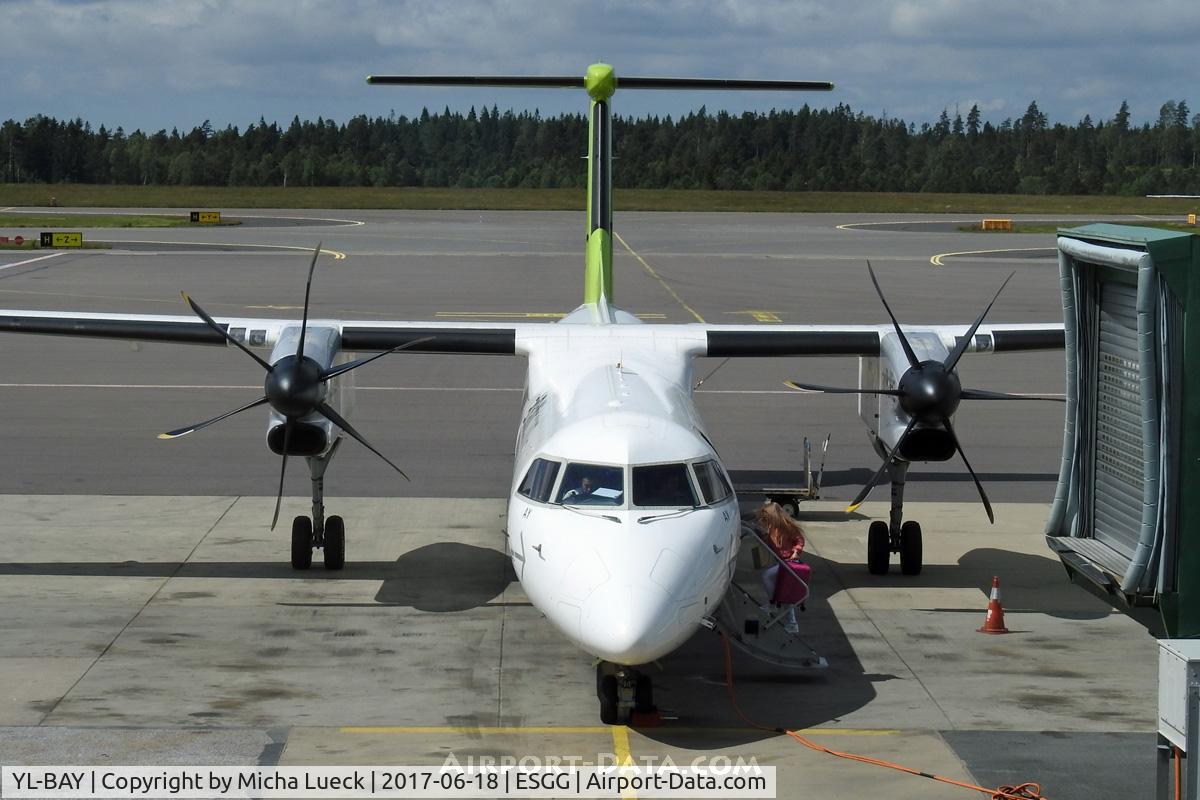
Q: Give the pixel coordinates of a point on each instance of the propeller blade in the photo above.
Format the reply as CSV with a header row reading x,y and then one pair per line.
x,y
961,348
813,387
341,369
202,314
338,420
866,490
175,434
908,351
287,434
984,394
987,506
307,290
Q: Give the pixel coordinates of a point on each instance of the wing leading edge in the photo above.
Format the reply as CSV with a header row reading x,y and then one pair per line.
x,y
729,341
466,338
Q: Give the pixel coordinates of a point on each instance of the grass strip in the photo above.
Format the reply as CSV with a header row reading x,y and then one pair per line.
x,y
71,221
343,197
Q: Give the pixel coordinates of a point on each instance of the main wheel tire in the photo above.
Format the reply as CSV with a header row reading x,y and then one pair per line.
x,y
302,535
608,699
879,549
791,508
335,543
910,548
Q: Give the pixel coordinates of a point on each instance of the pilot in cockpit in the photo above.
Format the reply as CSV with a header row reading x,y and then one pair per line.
x,y
585,488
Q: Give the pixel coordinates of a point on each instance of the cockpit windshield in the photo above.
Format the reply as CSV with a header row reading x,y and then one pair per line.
x,y
662,485
592,485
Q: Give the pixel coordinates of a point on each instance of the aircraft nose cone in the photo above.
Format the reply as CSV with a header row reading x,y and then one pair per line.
x,y
625,626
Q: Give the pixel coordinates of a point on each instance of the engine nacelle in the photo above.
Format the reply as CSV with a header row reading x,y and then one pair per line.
x,y
884,415
312,435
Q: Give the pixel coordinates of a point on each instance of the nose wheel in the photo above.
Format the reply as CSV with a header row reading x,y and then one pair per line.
x,y
302,543
623,691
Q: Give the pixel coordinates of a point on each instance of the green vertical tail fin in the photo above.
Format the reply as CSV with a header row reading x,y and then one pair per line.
x,y
601,83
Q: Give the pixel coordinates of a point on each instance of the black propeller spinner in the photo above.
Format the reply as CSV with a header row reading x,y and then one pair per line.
x,y
929,392
294,386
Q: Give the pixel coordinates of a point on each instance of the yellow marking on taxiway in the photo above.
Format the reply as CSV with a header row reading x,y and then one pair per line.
x,y
620,738
658,278
512,730
523,314
337,254
847,226
503,314
472,729
937,260
760,316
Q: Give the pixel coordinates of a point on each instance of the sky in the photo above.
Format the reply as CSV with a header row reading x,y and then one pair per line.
x,y
154,64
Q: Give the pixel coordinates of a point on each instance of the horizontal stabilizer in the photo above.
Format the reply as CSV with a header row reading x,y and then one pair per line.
x,y
577,82
514,81
724,83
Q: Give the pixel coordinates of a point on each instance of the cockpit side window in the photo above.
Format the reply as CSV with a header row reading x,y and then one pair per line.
x,y
713,486
539,480
661,485
592,485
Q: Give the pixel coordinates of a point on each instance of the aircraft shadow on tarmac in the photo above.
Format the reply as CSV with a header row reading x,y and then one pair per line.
x,y
689,683
438,578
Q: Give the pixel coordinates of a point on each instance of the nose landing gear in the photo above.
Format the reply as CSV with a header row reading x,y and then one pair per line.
x,y
895,536
317,531
623,692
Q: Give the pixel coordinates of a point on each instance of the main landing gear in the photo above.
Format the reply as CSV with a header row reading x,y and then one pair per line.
x,y
623,691
896,536
317,531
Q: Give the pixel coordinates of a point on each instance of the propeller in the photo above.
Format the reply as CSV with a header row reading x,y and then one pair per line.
x,y
294,386
929,392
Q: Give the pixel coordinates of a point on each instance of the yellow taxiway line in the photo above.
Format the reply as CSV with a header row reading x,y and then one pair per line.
x,y
583,730
658,278
937,260
523,314
337,254
620,739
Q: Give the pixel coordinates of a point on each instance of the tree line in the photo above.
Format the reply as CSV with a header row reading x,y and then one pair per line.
x,y
807,149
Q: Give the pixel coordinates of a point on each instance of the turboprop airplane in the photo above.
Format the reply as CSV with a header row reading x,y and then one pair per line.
x,y
623,527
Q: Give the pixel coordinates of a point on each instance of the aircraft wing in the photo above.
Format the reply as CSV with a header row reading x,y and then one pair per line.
x,y
730,341
504,338
356,336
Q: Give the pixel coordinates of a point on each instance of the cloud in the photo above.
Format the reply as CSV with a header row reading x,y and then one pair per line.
x,y
140,63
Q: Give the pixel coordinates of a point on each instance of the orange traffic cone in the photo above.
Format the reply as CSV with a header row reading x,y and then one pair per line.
x,y
994,621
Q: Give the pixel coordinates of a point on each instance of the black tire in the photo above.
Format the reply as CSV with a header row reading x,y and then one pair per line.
x,y
910,548
879,549
335,543
643,697
608,699
791,508
301,543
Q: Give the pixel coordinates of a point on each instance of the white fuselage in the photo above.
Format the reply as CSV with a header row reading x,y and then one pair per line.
x,y
628,572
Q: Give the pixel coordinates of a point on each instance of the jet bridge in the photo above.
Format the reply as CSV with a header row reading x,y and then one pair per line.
x,y
1123,521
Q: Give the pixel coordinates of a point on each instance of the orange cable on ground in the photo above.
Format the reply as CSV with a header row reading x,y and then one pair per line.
x,y
1025,791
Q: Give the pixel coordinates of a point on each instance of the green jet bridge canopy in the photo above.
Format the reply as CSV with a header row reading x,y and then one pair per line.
x,y
1126,515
